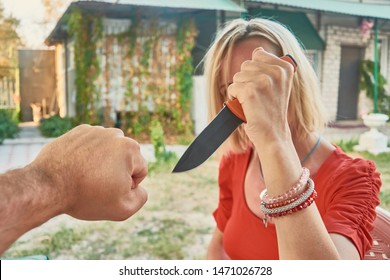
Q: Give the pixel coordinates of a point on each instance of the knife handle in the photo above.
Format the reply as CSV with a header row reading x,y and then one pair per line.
x,y
235,106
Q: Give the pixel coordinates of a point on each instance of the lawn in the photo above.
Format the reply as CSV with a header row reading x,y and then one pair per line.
x,y
176,222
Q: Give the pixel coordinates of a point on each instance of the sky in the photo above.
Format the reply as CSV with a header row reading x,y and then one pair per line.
x,y
30,13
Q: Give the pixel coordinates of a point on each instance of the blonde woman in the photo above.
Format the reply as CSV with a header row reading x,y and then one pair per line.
x,y
285,192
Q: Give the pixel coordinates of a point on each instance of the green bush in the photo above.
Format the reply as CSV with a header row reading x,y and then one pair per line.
x,y
366,83
347,145
55,126
8,124
385,198
163,157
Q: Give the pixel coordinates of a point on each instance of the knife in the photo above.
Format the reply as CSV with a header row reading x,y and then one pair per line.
x,y
219,129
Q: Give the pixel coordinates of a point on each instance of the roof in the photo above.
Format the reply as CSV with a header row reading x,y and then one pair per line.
x,y
123,8
297,22
223,5
380,11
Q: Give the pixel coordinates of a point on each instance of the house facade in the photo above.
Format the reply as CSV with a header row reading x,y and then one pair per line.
x,y
127,82
337,36
348,32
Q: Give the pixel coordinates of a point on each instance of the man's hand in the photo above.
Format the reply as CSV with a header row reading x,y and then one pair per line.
x,y
90,173
98,172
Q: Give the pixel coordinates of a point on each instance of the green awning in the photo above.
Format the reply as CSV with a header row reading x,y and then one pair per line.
x,y
222,5
297,22
381,11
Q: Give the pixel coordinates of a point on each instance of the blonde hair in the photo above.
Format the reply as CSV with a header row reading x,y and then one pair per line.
x,y
306,113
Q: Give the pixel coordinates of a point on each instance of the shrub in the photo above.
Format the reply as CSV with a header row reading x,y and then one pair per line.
x,y
385,198
366,83
8,124
163,157
55,126
347,145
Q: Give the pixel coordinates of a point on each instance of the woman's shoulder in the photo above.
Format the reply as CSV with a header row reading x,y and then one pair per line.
x,y
340,161
346,169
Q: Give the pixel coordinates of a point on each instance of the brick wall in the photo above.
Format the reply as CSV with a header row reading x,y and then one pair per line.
x,y
336,37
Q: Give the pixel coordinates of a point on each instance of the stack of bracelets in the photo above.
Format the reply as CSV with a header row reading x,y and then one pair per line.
x,y
300,196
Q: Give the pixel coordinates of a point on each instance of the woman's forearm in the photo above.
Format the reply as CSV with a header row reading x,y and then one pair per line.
x,y
301,235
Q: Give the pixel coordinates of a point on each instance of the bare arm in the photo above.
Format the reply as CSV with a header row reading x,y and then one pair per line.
x,y
301,235
90,173
215,250
263,87
27,200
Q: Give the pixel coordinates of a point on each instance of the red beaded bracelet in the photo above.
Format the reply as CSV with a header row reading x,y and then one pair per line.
x,y
292,193
304,200
285,202
301,206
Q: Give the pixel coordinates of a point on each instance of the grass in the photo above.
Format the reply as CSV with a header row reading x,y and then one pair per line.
x,y
382,162
175,223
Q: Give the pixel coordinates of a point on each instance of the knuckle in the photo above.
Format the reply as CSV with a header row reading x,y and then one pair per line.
x,y
288,67
264,82
246,65
82,127
231,91
131,144
258,54
278,72
98,127
236,78
116,131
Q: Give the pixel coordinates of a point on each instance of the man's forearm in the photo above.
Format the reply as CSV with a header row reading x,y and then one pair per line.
x,y
26,201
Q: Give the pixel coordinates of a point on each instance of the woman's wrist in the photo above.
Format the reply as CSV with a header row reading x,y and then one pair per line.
x,y
264,137
280,164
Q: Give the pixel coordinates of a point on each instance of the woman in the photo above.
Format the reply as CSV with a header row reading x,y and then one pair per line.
x,y
322,201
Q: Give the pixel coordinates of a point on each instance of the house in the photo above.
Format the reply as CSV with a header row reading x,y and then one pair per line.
x,y
134,57
336,35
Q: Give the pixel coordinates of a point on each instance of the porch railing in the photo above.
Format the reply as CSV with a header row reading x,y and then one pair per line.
x,y
7,93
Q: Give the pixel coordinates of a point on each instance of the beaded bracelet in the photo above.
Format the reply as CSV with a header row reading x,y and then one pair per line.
x,y
293,204
305,198
291,193
301,206
285,202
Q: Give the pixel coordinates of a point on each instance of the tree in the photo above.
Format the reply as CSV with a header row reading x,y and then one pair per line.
x,y
9,43
53,10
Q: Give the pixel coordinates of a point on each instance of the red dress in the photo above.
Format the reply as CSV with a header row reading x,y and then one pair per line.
x,y
348,192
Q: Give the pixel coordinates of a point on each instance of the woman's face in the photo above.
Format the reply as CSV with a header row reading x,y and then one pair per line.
x,y
242,51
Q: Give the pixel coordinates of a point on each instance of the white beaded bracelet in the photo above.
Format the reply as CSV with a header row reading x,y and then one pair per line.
x,y
292,205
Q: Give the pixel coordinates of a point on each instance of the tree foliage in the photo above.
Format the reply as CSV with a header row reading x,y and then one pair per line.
x,y
9,43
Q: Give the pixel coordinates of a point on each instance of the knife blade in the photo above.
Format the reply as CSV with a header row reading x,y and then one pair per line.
x,y
219,129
